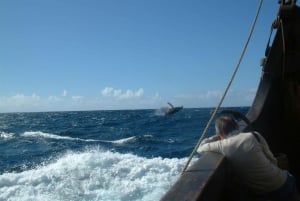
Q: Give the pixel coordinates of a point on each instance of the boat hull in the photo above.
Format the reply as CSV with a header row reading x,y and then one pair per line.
x,y
275,113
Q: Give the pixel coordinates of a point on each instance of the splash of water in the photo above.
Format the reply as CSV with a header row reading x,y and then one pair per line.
x,y
93,175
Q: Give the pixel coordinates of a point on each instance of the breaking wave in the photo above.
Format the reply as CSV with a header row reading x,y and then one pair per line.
x,y
93,175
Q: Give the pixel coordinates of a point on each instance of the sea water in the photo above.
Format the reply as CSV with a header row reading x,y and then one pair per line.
x,y
96,155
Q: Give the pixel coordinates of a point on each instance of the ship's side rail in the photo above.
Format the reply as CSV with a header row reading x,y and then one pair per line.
x,y
210,170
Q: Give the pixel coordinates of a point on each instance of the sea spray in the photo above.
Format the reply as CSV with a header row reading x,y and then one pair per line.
x,y
93,175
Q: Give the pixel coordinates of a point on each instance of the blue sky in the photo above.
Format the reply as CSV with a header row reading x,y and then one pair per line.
x,y
58,55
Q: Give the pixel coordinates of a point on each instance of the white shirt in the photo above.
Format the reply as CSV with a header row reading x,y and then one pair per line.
x,y
253,161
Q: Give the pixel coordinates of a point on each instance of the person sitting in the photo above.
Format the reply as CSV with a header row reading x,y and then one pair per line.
x,y
251,160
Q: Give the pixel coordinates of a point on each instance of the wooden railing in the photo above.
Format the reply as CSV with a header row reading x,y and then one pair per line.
x,y
205,180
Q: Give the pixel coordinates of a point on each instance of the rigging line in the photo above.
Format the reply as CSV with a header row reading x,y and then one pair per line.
x,y
226,90
283,48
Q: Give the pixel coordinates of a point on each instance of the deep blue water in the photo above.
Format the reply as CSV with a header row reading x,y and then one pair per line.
x,y
95,155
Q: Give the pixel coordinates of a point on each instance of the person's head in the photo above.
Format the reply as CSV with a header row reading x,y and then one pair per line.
x,y
225,125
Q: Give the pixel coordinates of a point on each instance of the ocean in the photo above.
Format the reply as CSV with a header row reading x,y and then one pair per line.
x,y
118,155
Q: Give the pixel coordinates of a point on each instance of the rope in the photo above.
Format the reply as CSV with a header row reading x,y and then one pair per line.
x,y
226,90
283,48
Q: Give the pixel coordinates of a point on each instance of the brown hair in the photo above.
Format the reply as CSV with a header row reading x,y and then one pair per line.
x,y
225,125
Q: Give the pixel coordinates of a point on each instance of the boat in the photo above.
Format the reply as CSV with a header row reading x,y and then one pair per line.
x,y
172,109
275,113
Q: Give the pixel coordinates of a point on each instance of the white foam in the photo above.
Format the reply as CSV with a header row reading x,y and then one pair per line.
x,y
160,112
124,140
52,136
129,139
5,135
58,137
93,175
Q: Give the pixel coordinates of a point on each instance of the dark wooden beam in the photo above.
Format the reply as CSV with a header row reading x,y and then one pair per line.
x,y
205,180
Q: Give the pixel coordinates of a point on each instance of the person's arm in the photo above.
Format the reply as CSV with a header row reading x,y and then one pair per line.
x,y
211,139
210,144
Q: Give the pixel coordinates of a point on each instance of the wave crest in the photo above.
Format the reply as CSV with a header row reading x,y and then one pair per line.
x,y
53,136
5,135
93,175
39,134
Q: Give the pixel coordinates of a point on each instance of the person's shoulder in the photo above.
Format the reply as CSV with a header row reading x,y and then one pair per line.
x,y
241,135
251,136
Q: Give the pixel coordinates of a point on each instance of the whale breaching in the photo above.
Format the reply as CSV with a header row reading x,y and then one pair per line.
x,y
172,109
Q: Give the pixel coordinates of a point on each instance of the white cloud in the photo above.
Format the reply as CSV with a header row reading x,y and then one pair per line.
x,y
54,99
20,99
212,98
204,97
108,91
119,94
213,95
77,98
117,99
19,102
139,92
156,96
65,93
